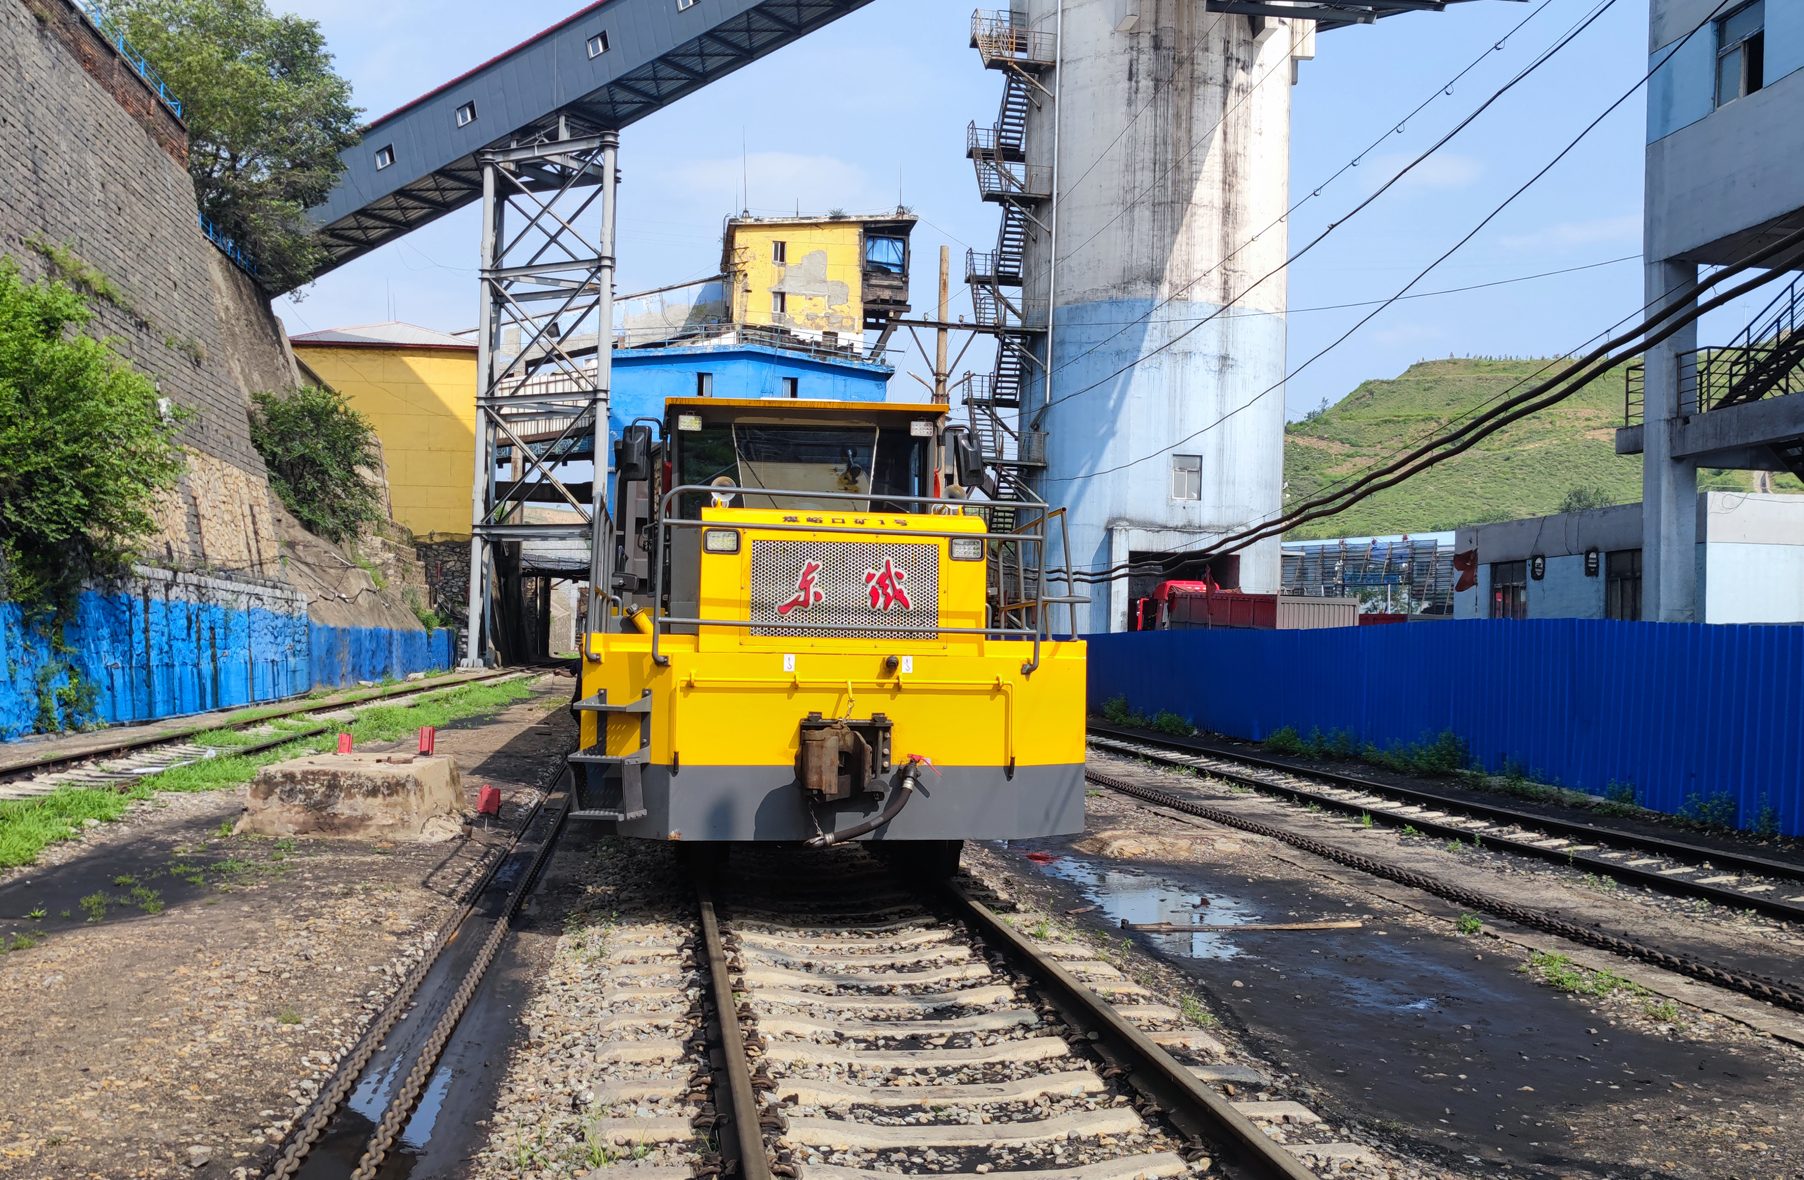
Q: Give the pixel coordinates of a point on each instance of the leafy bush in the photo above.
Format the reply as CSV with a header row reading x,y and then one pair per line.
x,y
1334,744
1446,754
1117,711
84,449
1716,810
318,448
267,118
1168,722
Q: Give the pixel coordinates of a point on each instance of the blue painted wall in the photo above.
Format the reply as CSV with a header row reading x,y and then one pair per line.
x,y
150,650
645,377
1674,709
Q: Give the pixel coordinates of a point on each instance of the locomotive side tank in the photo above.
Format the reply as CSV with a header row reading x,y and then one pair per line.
x,y
817,638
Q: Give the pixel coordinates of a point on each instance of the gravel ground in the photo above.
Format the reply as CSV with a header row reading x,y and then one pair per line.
x,y
183,1030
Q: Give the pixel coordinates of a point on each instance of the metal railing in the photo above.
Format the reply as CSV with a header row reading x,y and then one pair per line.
x,y
1765,358
990,266
1003,38
1005,180
227,246
1030,614
104,25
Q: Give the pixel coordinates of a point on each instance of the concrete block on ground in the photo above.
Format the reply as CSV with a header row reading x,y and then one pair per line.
x,y
390,796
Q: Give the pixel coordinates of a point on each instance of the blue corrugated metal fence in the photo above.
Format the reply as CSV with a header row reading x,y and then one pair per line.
x,y
1677,711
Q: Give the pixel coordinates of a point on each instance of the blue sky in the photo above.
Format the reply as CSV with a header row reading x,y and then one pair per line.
x,y
876,105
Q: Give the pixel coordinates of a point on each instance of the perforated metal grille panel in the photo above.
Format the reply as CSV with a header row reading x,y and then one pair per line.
x,y
835,582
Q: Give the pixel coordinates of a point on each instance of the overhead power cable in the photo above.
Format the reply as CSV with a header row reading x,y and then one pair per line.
x,y
1777,258
1446,89
1543,58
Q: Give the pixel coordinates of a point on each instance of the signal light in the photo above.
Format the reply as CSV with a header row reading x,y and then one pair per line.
x,y
966,548
720,540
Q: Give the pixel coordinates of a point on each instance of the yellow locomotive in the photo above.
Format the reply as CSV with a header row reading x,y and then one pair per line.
x,y
815,638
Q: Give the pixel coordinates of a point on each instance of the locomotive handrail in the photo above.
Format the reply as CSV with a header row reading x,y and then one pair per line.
x,y
1036,536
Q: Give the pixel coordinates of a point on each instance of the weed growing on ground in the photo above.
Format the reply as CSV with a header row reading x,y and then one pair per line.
x,y
94,905
1470,924
1716,810
1766,818
1194,1012
1666,1012
288,1016
1607,884
1455,846
1446,754
1041,929
36,913
1365,819
125,879
148,900
20,942
1558,971
1410,830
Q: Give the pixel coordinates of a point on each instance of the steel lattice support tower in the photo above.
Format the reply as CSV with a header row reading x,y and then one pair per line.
x,y
548,212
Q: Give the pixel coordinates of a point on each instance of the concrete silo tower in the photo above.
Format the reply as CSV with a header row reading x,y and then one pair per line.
x,y
1164,130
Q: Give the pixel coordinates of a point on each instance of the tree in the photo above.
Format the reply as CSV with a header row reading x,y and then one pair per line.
x,y
85,449
1584,498
318,450
267,117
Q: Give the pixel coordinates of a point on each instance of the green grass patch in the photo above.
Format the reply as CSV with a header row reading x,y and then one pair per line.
x,y
1470,924
1560,972
28,825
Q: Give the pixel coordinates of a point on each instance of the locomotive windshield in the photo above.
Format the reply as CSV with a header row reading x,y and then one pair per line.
x,y
847,459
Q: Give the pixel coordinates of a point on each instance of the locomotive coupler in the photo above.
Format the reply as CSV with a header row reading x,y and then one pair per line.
x,y
842,756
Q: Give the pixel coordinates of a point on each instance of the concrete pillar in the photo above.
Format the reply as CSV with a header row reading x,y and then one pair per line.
x,y
1173,179
1668,485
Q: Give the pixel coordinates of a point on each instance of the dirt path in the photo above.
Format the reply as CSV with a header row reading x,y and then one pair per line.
x,y
225,975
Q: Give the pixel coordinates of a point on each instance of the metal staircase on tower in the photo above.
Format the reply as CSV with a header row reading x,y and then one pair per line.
x,y
1011,304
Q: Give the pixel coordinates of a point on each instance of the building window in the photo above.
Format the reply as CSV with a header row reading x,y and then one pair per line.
x,y
682,5
1622,584
792,387
1186,477
1509,589
598,44
384,157
1741,53
466,114
888,255
779,253
779,303
704,385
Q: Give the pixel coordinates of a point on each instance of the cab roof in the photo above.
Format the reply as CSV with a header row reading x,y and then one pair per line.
x,y
778,404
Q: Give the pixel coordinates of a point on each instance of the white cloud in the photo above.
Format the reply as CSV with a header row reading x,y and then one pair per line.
x,y
1626,229
1441,171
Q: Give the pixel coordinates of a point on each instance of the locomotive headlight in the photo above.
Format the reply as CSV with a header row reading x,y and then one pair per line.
x,y
967,549
720,540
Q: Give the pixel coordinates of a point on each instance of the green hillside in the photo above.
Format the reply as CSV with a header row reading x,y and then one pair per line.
x,y
1527,469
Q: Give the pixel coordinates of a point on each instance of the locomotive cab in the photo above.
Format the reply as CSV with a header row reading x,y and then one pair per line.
x,y
814,635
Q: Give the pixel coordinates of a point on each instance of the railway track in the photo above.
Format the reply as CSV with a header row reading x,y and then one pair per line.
x,y
813,1014
1780,992
133,758
1721,876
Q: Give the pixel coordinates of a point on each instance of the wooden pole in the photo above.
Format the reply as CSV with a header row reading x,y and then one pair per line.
x,y
940,396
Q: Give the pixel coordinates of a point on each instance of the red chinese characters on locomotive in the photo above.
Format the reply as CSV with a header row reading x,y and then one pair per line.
x,y
807,593
885,586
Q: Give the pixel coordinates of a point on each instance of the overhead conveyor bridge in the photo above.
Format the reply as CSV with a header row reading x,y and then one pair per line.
x,y
609,65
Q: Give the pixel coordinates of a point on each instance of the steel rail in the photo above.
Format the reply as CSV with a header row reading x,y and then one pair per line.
x,y
350,1068
400,1107
1191,1106
1774,991
1673,849
742,1098
70,758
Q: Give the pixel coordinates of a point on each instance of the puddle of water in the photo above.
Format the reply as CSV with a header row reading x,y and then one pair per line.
x,y
1129,896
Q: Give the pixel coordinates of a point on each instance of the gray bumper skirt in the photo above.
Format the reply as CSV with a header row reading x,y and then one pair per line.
x,y
766,803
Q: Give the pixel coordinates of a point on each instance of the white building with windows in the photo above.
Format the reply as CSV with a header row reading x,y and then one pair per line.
x,y
1748,562
1725,137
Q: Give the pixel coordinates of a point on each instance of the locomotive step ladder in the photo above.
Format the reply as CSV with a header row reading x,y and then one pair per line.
x,y
631,804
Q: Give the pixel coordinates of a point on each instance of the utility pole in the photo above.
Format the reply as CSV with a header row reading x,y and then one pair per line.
x,y
940,396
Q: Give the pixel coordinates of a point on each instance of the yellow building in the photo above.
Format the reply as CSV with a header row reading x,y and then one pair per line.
x,y
418,388
825,277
